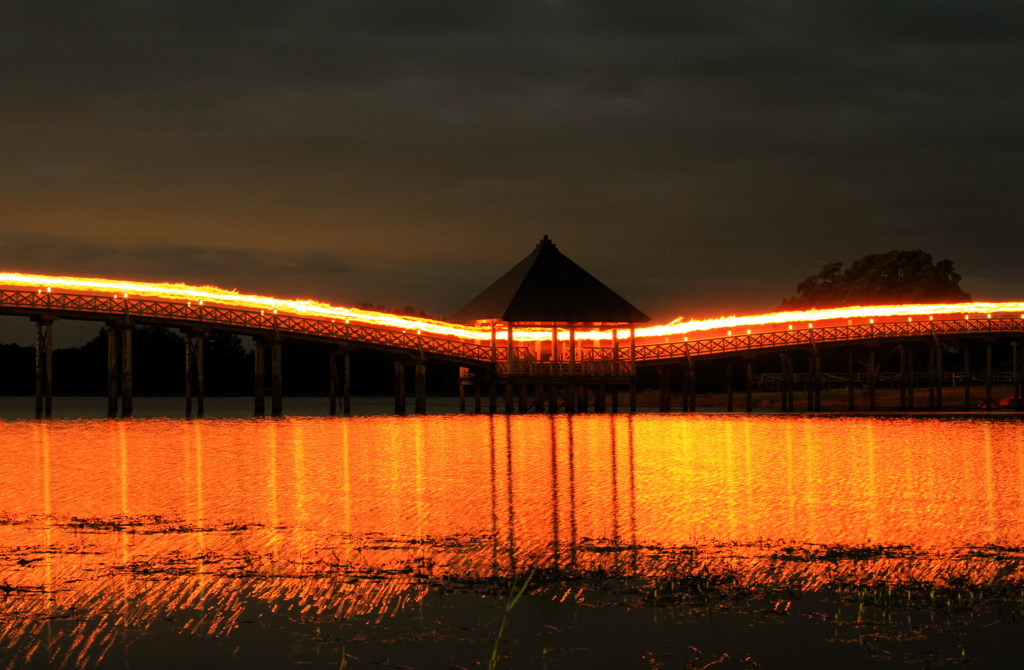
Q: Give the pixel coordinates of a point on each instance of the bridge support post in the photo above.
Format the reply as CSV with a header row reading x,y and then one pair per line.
x,y
276,378
872,379
910,379
524,398
691,383
552,398
599,398
399,387
988,375
613,390
507,398
44,367
817,381
809,386
728,386
113,355
188,375
346,386
938,377
903,377
931,378
967,377
664,404
584,403
750,387
332,383
849,384
463,378
126,371
421,387
477,405
1016,375
492,399
259,351
200,374
783,382
632,395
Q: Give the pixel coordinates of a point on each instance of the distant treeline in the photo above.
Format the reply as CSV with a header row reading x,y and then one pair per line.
x,y
158,368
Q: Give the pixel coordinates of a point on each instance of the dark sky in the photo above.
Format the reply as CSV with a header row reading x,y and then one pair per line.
x,y
700,157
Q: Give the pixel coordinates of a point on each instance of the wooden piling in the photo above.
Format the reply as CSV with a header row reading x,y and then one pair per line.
x,y
200,374
872,378
728,386
421,387
113,356
967,377
276,378
750,387
903,377
599,398
126,371
988,375
664,404
346,386
332,383
399,387
931,378
259,350
477,400
850,399
524,398
938,376
40,367
188,374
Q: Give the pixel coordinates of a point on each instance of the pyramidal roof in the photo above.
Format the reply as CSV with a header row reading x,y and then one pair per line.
x,y
547,287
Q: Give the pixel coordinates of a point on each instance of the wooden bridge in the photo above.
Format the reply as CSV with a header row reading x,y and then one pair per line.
x,y
524,367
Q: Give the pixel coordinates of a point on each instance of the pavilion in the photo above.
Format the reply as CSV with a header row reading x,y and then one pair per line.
x,y
548,290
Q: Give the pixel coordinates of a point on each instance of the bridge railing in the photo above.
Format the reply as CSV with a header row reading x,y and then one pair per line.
x,y
589,368
809,337
258,321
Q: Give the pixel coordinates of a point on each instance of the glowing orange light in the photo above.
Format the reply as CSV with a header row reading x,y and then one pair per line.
x,y
313,309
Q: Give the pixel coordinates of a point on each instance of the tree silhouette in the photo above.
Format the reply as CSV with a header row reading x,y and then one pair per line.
x,y
880,279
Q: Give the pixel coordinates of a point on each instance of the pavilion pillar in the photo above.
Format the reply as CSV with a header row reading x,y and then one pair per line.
x,y
113,356
259,353
421,387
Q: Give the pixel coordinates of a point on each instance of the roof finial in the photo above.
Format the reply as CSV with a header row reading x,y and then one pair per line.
x,y
545,242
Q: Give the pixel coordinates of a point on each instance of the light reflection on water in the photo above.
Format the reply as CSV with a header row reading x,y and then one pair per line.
x,y
131,521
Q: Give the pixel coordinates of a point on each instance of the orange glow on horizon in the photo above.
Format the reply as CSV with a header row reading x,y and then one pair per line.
x,y
211,296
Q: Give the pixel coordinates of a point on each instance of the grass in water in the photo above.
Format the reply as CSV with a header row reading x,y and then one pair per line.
x,y
513,598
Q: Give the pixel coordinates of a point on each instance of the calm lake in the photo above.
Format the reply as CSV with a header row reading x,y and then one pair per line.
x,y
125,542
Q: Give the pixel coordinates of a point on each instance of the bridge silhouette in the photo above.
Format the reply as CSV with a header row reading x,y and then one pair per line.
x,y
598,361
